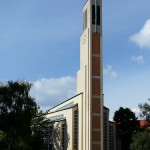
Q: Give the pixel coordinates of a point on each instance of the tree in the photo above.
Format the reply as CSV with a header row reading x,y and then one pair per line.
x,y
145,111
126,125
38,125
17,108
2,140
140,140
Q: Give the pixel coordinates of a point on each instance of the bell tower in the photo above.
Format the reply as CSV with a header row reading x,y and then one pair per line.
x,y
90,76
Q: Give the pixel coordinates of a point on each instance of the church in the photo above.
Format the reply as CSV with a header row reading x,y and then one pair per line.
x,y
82,122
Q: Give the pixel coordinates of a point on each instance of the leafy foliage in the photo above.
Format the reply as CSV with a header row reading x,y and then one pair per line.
x,y
140,140
38,124
145,111
126,125
17,108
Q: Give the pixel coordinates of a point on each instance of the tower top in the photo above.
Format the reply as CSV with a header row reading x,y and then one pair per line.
x,y
92,15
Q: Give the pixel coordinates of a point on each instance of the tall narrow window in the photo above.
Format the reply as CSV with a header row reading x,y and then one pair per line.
x,y
51,137
96,15
105,121
93,14
85,20
63,137
75,135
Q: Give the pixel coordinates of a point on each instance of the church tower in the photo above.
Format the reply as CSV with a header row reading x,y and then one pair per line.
x,y
78,121
90,75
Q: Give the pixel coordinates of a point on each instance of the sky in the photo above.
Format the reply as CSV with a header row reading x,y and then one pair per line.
x,y
40,43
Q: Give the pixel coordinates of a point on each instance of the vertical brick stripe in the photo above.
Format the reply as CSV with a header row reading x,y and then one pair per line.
x,y
96,43
95,87
95,66
96,146
96,122
95,105
96,91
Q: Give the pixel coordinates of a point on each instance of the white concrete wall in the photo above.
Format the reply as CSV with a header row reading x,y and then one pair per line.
x,y
68,114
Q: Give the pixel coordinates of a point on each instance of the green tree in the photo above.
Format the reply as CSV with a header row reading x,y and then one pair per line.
x,y
38,125
140,140
17,108
126,125
145,111
3,143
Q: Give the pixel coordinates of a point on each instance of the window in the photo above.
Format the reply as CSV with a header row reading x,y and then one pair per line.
x,y
51,137
96,15
75,134
105,121
85,20
48,137
63,137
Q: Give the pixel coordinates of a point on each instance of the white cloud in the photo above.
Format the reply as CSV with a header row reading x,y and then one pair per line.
x,y
114,74
50,92
108,71
142,38
136,111
138,59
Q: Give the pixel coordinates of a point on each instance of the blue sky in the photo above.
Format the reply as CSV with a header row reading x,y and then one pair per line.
x,y
36,37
